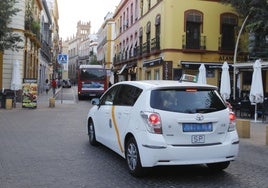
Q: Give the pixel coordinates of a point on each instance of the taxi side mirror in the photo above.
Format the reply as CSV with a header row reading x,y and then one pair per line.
x,y
95,101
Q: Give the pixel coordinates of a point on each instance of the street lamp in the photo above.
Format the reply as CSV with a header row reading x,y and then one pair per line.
x,y
235,54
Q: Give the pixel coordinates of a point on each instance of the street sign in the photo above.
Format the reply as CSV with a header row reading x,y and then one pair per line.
x,y
62,58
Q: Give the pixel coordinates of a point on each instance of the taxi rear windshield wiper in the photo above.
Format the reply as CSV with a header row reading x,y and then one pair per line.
x,y
205,110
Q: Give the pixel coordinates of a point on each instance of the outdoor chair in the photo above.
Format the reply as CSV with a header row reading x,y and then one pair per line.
x,y
246,109
264,111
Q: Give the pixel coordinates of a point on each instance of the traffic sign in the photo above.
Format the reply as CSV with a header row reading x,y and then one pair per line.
x,y
62,58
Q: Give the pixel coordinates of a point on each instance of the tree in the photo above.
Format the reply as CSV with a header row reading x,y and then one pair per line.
x,y
257,10
8,39
255,14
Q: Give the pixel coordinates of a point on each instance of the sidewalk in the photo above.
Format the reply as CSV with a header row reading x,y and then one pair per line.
x,y
44,98
257,133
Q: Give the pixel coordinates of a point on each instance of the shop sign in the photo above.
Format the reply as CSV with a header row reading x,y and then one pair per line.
x,y
167,70
29,93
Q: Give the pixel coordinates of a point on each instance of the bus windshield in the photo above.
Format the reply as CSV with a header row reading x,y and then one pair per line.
x,y
92,74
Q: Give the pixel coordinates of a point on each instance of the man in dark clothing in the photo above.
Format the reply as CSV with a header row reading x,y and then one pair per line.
x,y
54,85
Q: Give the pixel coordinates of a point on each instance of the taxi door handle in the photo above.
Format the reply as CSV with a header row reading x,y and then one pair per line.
x,y
110,123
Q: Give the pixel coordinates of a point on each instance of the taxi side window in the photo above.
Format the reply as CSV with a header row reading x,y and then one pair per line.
x,y
127,95
108,98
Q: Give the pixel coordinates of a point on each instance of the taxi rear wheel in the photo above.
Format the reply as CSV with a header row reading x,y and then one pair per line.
x,y
91,133
133,158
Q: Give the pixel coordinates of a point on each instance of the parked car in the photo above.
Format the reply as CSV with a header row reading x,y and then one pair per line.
x,y
156,122
66,84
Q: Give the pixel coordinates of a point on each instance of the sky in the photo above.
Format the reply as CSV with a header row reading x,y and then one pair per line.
x,y
70,12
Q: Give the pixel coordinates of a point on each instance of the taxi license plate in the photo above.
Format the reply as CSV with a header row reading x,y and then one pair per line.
x,y
197,127
198,139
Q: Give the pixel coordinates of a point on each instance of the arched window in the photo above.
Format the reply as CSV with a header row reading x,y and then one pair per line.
x,y
157,31
193,28
148,37
228,24
140,41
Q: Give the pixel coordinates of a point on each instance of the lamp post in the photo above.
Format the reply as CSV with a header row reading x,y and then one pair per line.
x,y
235,54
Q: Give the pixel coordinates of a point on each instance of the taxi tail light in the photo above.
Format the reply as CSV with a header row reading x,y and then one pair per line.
x,y
232,121
153,122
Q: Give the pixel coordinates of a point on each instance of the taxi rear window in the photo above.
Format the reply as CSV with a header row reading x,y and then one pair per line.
x,y
188,100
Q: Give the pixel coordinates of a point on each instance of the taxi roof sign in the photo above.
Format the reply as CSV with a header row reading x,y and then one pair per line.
x,y
188,78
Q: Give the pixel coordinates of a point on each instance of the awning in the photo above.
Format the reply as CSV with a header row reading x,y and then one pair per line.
x,y
249,65
152,62
122,69
196,65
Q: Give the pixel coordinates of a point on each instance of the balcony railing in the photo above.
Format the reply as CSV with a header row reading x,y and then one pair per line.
x,y
155,44
196,45
46,51
146,48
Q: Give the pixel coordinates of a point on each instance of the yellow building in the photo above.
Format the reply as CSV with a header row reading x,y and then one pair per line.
x,y
32,38
162,39
105,44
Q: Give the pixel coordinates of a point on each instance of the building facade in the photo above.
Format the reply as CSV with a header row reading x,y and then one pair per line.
x,y
106,37
46,47
78,48
157,39
9,56
36,23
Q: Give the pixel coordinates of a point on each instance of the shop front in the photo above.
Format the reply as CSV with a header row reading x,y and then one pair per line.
x,y
126,72
244,77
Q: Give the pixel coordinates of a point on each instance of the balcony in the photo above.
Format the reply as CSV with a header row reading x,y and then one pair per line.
x,y
155,44
146,48
194,45
46,51
138,51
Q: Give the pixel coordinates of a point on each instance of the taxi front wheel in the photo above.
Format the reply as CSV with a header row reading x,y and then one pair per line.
x,y
133,158
91,134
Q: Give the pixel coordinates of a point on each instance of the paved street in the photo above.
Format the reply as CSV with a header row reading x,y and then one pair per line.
x,y
48,147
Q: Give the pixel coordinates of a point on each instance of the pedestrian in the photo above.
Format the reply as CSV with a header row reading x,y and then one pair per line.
x,y
54,85
47,86
59,83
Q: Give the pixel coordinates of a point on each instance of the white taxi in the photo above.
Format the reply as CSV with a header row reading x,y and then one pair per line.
x,y
156,122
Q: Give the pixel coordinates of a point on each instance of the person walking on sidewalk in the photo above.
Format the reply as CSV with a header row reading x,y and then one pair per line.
x,y
47,86
54,85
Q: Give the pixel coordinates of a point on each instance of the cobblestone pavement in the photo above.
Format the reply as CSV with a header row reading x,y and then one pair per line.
x,y
48,147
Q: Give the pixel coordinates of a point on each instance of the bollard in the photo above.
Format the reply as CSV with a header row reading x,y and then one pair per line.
x,y
8,104
51,102
243,128
266,135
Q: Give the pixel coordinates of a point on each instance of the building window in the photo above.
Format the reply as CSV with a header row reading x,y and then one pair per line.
x,y
136,10
157,32
149,4
120,23
228,24
157,74
140,41
148,38
148,75
131,14
141,7
194,20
